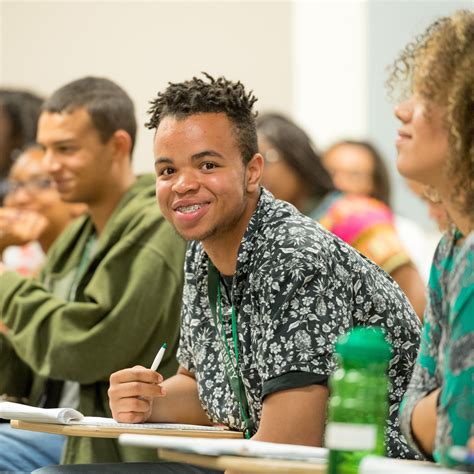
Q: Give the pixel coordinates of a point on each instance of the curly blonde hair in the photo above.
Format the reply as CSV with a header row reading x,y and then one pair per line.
x,y
439,66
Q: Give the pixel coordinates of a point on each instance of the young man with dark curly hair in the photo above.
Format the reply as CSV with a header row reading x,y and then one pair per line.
x,y
267,290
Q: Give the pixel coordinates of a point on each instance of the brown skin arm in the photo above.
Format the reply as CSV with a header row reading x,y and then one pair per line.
x,y
294,416
181,401
412,285
423,422
139,394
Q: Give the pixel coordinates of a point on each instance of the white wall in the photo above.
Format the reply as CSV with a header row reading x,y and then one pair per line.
x,y
143,45
321,61
329,63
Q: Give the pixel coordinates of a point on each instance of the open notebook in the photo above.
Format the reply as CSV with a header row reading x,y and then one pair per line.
x,y
228,447
69,416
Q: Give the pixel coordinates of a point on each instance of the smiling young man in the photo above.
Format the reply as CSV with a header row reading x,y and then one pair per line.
x,y
267,290
110,292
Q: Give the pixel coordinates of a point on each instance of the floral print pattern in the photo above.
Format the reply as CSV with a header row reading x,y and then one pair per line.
x,y
296,289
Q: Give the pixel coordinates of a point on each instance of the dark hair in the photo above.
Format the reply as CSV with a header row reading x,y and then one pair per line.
x,y
22,109
197,96
108,105
381,177
297,150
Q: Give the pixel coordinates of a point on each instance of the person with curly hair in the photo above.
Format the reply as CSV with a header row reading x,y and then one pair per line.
x,y
436,147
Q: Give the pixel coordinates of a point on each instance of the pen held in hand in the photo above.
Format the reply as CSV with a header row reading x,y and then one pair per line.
x,y
158,357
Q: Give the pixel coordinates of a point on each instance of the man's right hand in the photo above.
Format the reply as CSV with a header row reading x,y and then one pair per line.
x,y
131,394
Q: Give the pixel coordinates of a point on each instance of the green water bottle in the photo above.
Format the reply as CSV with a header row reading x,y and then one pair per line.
x,y
358,407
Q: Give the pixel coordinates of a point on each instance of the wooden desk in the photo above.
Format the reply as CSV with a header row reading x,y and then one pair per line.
x,y
114,432
243,463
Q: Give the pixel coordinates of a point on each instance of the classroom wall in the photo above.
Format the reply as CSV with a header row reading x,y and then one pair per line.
x,y
143,45
330,69
323,62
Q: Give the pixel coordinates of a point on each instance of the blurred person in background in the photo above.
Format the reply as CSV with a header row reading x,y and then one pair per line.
x,y
114,271
19,112
435,75
357,167
33,215
294,172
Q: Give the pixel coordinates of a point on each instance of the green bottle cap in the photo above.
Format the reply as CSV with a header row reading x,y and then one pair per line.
x,y
365,345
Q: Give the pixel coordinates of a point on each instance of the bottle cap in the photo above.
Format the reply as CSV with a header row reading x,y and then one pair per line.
x,y
365,345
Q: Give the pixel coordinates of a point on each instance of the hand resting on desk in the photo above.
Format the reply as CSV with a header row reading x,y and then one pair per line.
x,y
131,394
139,395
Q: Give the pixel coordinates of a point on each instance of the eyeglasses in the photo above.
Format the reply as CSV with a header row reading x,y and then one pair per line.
x,y
32,186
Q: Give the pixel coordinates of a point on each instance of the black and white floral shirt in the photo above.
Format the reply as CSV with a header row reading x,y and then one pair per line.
x,y
296,289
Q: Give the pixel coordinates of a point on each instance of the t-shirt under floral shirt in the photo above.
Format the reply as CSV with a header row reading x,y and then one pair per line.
x,y
296,289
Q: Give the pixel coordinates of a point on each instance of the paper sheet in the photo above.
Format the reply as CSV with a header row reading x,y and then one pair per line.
x,y
235,447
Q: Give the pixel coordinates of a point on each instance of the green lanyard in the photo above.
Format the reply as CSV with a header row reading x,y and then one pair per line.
x,y
85,258
214,294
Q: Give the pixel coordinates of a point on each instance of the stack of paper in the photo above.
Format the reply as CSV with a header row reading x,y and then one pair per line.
x,y
17,411
231,447
69,416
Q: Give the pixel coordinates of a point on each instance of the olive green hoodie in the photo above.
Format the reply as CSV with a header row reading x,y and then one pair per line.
x,y
125,305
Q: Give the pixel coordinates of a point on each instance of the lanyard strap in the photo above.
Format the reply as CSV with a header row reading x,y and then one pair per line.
x,y
85,258
236,384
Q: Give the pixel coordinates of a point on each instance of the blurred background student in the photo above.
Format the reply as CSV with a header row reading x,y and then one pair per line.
x,y
435,146
33,215
294,172
357,167
19,112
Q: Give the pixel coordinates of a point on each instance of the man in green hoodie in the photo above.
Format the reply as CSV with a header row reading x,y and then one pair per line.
x,y
110,292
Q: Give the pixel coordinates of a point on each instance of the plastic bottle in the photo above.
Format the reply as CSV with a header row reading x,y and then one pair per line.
x,y
358,407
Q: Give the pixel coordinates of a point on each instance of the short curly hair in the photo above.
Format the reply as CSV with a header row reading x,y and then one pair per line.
x,y
196,96
439,66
